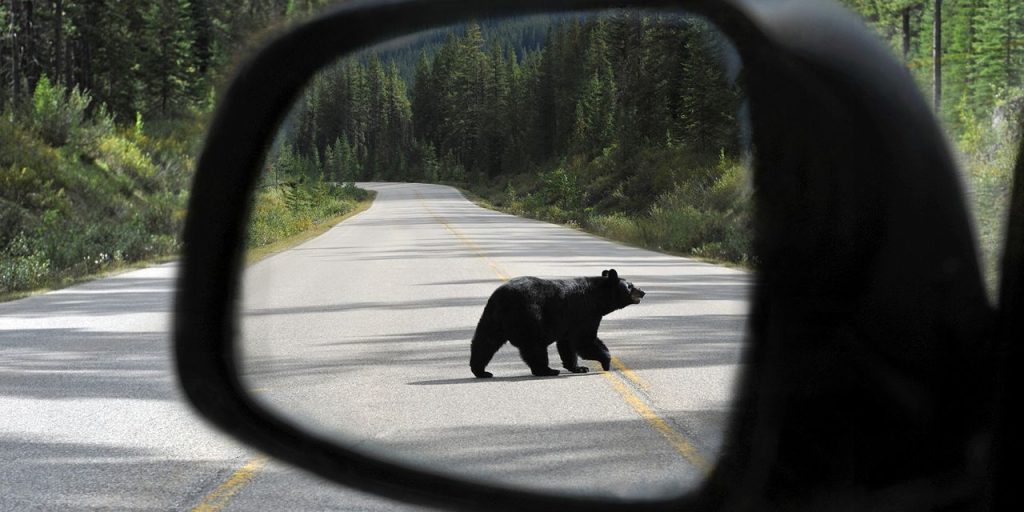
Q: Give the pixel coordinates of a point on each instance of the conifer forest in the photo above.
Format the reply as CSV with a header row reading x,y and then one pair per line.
x,y
628,124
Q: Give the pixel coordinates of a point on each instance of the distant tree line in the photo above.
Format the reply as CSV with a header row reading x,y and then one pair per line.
x,y
102,107
478,109
968,53
154,57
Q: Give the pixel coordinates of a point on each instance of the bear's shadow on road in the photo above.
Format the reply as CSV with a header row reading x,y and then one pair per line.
x,y
474,380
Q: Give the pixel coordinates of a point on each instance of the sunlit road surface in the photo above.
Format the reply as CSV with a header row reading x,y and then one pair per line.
x,y
91,417
363,335
366,336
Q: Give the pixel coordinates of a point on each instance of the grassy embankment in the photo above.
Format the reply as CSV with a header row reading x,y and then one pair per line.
x,y
288,215
82,196
706,209
677,204
987,155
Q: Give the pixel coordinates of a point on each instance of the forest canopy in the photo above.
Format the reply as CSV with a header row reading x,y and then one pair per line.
x,y
620,119
487,106
628,125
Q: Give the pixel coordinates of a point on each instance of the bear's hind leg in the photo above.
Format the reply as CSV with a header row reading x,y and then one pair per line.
x,y
481,350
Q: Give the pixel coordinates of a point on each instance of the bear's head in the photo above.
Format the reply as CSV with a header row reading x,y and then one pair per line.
x,y
625,292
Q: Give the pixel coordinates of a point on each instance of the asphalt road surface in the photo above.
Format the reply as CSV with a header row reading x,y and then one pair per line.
x,y
363,334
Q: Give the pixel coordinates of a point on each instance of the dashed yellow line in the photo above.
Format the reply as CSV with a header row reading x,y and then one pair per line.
x,y
673,436
221,496
628,373
638,404
500,272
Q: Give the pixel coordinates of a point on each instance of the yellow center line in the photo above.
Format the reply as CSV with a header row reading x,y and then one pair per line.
x,y
219,497
673,436
628,373
465,240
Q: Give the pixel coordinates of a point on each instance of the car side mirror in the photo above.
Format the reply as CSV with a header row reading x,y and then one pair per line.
x,y
872,375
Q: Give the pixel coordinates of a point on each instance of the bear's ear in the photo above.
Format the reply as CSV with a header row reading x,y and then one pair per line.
x,y
610,274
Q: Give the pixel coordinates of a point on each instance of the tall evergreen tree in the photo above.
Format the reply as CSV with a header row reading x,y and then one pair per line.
x,y
999,43
424,99
168,65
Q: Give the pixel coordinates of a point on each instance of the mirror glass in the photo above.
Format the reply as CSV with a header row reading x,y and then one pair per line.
x,y
603,155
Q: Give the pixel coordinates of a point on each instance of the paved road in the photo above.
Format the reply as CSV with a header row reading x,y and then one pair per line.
x,y
363,333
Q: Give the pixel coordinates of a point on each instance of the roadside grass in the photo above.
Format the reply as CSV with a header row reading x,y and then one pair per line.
x,y
111,270
253,255
666,199
82,196
256,254
625,237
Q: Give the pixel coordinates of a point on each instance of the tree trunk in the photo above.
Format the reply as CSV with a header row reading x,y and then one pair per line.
x,y
69,64
1008,44
905,15
202,43
30,61
58,43
937,57
15,52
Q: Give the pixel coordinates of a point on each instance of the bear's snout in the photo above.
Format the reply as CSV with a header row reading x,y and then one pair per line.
x,y
636,295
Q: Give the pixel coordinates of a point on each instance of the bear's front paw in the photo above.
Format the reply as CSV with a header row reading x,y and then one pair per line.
x,y
545,372
578,369
482,374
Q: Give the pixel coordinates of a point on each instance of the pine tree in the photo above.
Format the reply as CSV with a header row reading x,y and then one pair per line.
x,y
358,123
961,63
495,113
202,30
348,162
117,57
332,167
376,120
471,89
595,106
626,30
709,101
397,138
167,68
424,99
528,114
999,44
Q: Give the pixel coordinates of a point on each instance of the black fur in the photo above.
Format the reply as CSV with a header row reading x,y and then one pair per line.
x,y
532,313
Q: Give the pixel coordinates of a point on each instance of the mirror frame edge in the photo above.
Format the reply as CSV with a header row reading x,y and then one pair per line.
x,y
204,321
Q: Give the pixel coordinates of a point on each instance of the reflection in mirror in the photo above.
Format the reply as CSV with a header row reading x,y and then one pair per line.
x,y
623,126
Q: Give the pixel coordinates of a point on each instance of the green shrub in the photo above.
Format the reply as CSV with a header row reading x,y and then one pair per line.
x,y
671,200
730,189
285,210
560,189
85,140
70,211
616,226
56,114
674,227
120,155
989,154
22,266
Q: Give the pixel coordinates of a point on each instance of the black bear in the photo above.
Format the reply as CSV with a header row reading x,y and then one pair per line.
x,y
532,313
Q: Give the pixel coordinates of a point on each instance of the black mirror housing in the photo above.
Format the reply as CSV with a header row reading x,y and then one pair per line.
x,y
870,377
